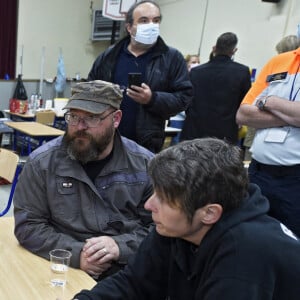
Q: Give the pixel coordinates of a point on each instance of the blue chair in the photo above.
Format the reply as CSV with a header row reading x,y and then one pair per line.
x,y
10,169
177,122
4,129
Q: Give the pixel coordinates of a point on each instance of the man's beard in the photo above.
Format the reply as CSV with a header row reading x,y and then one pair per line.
x,y
82,152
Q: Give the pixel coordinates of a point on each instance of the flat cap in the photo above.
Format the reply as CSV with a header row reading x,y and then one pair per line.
x,y
95,96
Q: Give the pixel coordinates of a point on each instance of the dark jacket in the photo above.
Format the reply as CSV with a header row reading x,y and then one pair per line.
x,y
219,87
56,205
246,255
167,76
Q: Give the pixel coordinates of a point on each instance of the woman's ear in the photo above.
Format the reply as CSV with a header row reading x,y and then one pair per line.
x,y
212,213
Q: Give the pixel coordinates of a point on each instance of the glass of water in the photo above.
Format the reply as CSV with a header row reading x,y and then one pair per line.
x,y
59,265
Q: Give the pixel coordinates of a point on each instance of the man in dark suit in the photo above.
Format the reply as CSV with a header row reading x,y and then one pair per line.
x,y
219,87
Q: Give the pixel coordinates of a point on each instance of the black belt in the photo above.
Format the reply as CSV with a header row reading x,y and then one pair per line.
x,y
276,170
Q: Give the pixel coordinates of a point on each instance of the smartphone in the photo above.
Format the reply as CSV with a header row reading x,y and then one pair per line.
x,y
134,79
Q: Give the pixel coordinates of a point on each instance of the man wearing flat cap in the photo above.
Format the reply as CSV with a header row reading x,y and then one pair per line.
x,y
85,191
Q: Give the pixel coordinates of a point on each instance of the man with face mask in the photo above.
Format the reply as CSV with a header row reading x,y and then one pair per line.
x,y
85,192
165,89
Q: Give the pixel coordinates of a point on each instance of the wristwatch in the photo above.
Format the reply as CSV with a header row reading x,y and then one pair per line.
x,y
262,103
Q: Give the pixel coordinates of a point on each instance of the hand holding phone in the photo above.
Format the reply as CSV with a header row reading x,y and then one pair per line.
x,y
134,79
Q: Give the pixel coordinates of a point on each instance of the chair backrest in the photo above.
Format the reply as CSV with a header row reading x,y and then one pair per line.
x,y
45,117
8,164
9,170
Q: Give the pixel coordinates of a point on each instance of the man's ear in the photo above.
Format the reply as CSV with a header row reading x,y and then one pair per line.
x,y
212,213
128,28
117,118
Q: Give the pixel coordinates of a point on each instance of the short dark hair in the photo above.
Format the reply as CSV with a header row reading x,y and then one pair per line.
x,y
129,14
226,43
194,173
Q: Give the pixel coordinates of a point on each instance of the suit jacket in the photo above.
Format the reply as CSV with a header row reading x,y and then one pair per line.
x,y
219,87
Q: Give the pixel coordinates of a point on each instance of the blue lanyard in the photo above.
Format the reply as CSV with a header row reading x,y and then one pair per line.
x,y
292,89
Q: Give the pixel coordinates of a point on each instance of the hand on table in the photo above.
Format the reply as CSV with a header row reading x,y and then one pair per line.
x,y
97,255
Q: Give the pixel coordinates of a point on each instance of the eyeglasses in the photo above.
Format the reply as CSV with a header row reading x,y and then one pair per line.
x,y
90,121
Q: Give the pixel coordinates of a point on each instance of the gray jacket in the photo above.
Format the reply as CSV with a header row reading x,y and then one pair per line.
x,y
56,205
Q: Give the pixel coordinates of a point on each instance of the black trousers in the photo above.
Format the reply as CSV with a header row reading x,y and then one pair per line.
x,y
281,185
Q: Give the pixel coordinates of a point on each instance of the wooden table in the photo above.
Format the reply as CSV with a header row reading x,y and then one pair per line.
x,y
25,276
59,121
27,116
25,131
20,117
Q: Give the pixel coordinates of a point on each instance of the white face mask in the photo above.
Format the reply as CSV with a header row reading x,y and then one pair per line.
x,y
147,33
193,65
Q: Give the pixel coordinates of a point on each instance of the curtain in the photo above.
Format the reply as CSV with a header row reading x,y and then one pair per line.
x,y
8,37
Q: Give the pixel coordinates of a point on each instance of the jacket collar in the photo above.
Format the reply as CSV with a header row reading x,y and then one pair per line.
x,y
297,51
118,160
221,58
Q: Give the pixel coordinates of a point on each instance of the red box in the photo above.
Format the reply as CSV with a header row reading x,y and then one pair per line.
x,y
18,106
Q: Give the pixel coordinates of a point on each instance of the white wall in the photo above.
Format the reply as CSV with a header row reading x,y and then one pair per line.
x,y
54,24
67,24
258,25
